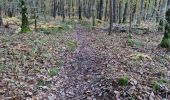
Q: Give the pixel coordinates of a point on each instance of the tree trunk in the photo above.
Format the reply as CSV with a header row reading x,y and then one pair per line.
x,y
25,25
111,17
114,11
94,15
166,39
125,14
106,13
168,4
120,11
63,10
100,10
1,21
54,8
79,10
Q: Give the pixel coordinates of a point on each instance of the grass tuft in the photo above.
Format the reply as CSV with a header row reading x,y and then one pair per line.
x,y
123,81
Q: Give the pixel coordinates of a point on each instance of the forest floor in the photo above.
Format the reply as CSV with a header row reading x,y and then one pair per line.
x,y
83,65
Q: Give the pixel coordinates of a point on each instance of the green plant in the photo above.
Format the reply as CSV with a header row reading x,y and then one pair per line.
x,y
47,55
156,86
53,71
60,63
161,25
130,42
132,98
123,81
138,43
71,45
163,81
42,82
2,66
61,28
34,51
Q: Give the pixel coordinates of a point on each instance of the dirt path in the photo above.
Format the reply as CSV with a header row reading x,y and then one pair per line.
x,y
77,76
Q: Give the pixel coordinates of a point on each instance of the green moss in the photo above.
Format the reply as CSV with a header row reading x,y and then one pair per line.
x,y
25,30
123,81
25,25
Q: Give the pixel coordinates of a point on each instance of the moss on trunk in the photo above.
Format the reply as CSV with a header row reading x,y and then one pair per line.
x,y
166,39
25,25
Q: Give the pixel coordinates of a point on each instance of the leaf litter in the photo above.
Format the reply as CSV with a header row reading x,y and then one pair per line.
x,y
37,66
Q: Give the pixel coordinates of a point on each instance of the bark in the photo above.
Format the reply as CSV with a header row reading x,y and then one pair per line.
x,y
63,10
111,17
79,10
54,8
100,10
125,14
94,18
166,39
106,10
142,10
25,25
120,12
114,11
168,4
1,20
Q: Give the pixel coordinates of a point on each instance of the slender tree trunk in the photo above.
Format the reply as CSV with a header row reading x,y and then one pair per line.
x,y
54,8
94,14
111,17
125,14
100,10
63,10
1,20
79,10
114,11
140,16
69,8
120,11
131,16
35,21
106,10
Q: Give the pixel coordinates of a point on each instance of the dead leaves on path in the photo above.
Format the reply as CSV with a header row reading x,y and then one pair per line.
x,y
21,47
139,56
